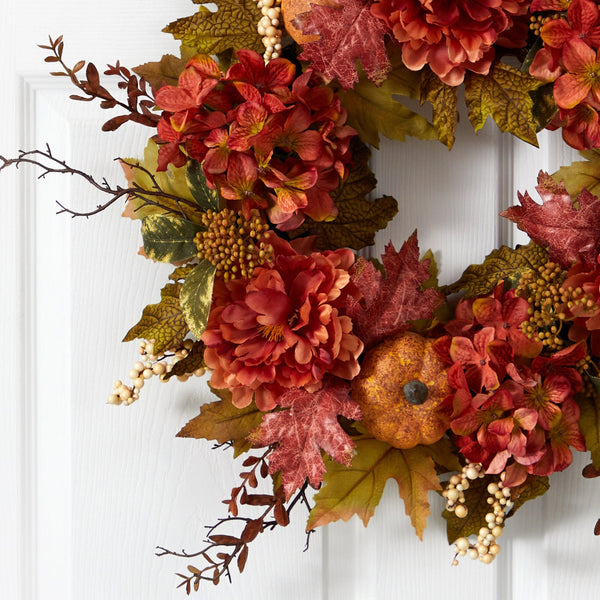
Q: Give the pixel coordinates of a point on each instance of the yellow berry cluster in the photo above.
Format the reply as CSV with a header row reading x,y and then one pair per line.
x,y
536,22
486,547
148,366
235,246
542,290
268,27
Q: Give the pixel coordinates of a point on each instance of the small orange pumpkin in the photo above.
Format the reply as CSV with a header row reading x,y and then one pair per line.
x,y
400,387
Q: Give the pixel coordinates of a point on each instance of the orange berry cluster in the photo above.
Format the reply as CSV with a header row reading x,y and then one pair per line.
x,y
542,290
235,245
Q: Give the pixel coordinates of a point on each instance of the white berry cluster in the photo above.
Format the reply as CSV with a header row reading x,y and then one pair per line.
x,y
485,548
149,365
268,27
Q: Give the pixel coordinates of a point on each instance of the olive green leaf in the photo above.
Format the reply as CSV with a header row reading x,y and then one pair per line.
x,y
534,487
196,296
232,25
589,421
358,219
223,422
190,363
163,322
444,100
357,490
180,273
374,109
172,182
504,263
206,198
582,174
169,239
167,70
503,94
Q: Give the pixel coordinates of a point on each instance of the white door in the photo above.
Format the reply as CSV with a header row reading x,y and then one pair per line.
x,y
89,490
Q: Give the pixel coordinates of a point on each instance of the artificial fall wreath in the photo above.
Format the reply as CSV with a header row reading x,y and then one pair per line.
x,y
333,371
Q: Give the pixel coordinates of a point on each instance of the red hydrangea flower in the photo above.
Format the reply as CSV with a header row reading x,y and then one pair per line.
x,y
282,328
452,37
265,137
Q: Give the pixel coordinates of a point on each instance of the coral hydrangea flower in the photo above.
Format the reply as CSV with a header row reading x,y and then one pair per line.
x,y
450,37
289,133
583,76
581,23
282,328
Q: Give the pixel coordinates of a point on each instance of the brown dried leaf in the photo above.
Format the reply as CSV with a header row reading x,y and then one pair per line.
x,y
225,540
252,529
242,558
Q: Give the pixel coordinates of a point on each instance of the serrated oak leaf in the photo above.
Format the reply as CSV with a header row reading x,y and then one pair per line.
x,y
232,25
504,95
358,219
349,32
568,231
163,322
504,263
308,426
389,305
357,490
223,422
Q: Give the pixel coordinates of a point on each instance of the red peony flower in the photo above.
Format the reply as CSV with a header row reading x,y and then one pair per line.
x,y
282,328
451,37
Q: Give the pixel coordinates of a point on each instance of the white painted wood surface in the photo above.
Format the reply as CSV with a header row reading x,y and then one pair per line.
x,y
89,489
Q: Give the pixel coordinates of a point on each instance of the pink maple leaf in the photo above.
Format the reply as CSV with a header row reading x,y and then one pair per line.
x,y
309,426
348,33
388,305
566,230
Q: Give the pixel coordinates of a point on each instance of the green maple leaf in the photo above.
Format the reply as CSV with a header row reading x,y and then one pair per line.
x,y
502,264
358,219
582,174
589,421
167,70
223,422
534,487
172,182
444,100
162,322
374,109
357,490
233,25
503,94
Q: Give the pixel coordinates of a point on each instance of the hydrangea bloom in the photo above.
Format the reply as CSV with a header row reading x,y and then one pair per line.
x,y
265,137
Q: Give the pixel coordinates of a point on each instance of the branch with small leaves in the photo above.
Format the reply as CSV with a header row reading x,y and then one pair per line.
x,y
221,549
50,164
140,102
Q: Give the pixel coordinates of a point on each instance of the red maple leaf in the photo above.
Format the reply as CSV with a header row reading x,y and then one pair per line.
x,y
388,305
348,33
309,426
566,230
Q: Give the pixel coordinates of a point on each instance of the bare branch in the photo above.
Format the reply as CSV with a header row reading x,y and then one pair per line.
x,y
152,197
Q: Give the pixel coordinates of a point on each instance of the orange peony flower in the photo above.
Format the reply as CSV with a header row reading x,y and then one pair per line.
x,y
450,37
282,328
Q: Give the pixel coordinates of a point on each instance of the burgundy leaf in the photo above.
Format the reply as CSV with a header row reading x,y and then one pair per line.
x,y
388,305
566,230
348,33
